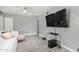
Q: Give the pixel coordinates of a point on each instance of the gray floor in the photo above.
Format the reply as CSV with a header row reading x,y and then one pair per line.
x,y
34,43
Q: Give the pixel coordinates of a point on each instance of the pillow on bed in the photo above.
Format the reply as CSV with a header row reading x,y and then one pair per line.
x,y
7,35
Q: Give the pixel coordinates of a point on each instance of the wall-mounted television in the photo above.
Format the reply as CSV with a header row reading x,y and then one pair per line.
x,y
57,19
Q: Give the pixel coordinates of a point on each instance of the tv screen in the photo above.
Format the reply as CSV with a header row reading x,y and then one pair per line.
x,y
57,19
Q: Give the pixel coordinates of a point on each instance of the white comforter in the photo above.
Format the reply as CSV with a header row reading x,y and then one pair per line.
x,y
9,45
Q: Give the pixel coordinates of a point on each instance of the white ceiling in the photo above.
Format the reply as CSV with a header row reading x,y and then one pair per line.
x,y
37,10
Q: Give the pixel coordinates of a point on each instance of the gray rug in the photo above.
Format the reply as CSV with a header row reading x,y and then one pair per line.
x,y
34,43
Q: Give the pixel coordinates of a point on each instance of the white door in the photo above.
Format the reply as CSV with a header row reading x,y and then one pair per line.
x,y
1,23
8,23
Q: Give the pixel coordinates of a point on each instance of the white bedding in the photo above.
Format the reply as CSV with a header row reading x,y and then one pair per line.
x,y
9,45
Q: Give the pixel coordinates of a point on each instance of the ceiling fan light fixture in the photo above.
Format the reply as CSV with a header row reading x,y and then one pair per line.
x,y
25,11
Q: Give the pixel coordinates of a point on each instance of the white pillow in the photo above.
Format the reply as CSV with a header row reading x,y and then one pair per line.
x,y
7,35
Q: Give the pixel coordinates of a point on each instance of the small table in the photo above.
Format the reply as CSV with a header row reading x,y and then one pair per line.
x,y
55,38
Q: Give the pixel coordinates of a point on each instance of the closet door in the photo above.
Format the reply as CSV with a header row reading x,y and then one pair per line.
x,y
1,23
8,23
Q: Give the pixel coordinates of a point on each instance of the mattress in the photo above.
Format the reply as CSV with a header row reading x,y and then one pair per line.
x,y
9,45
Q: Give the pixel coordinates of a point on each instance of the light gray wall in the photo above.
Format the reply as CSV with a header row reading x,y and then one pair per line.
x,y
70,36
24,24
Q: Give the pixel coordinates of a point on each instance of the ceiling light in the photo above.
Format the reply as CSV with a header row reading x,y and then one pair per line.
x,y
25,11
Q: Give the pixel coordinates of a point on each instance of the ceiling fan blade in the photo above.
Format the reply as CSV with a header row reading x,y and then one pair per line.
x,y
20,8
26,10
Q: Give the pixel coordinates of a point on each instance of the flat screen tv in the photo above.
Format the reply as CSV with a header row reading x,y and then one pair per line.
x,y
57,19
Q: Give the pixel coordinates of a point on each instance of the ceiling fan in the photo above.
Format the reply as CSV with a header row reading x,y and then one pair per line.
x,y
26,10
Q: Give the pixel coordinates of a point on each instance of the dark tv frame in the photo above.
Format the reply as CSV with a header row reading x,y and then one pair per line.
x,y
67,22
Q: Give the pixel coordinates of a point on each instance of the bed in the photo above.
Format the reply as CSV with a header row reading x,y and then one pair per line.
x,y
9,45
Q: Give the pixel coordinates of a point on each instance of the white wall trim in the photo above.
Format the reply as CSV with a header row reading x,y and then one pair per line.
x,y
42,35
30,34
70,49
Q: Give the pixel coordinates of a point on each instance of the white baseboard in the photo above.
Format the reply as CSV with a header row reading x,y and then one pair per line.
x,y
41,35
31,34
66,47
